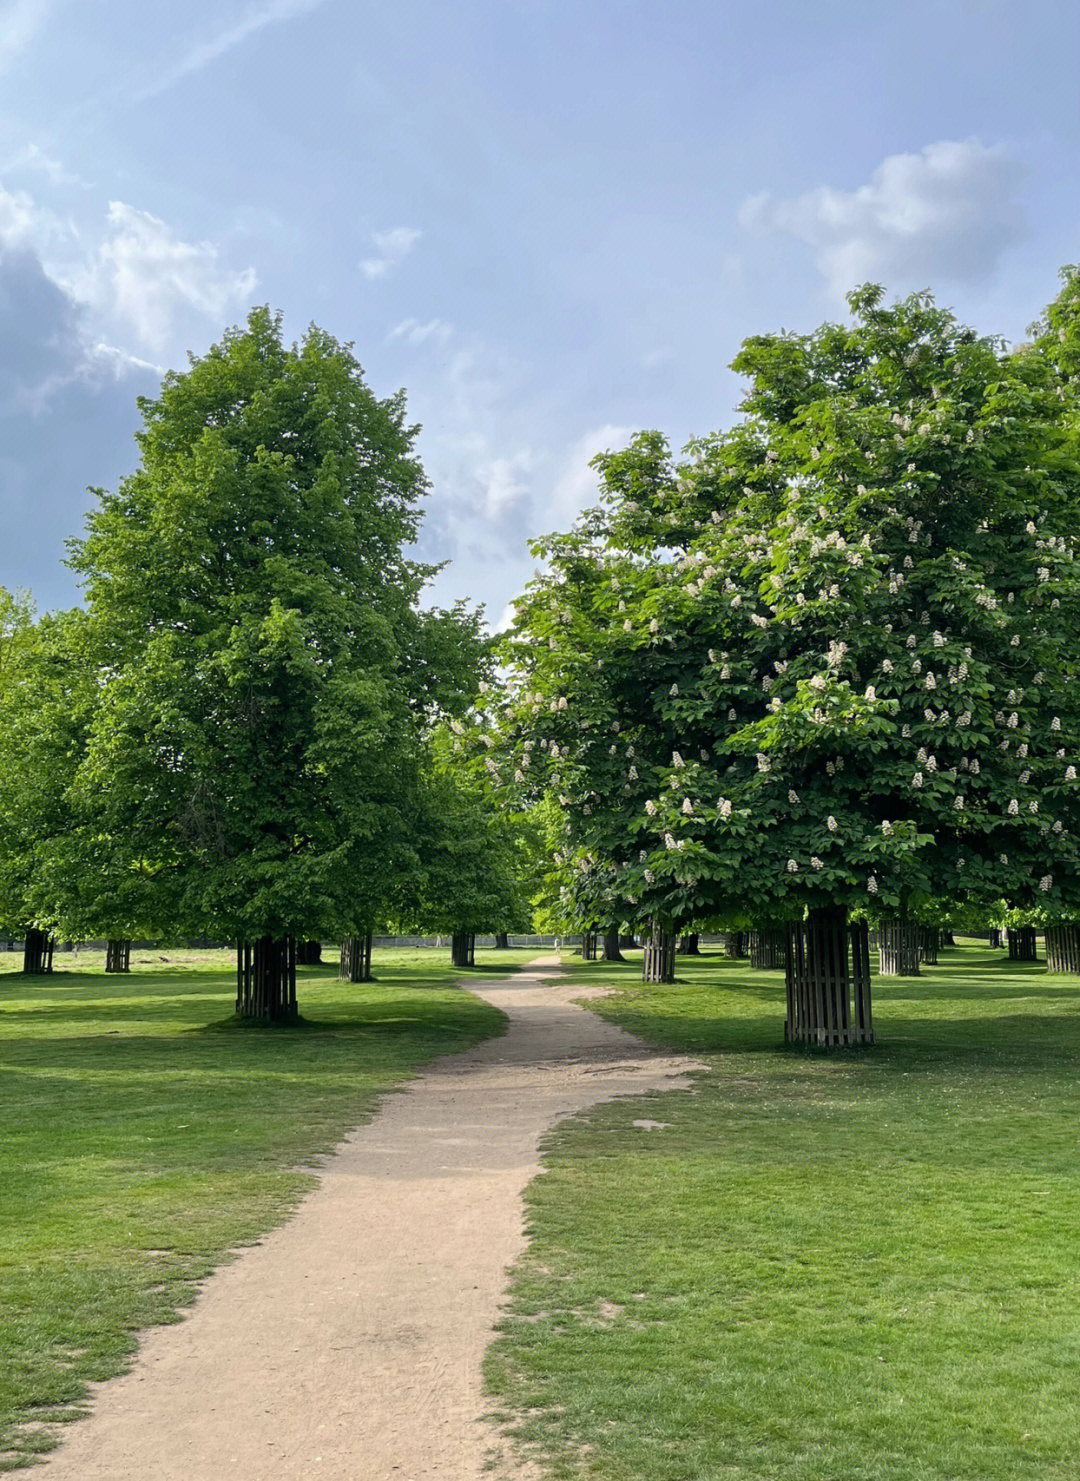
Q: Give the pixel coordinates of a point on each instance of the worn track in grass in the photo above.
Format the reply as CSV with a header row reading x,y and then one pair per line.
x,y
348,1343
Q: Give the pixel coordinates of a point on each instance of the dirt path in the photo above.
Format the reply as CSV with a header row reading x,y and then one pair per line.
x,y
347,1344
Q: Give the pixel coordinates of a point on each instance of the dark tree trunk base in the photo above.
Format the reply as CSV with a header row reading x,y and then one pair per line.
x,y
828,981
308,953
899,948
588,946
355,963
463,949
502,941
929,944
118,956
1063,948
611,945
1022,946
736,944
38,950
689,945
768,947
266,979
658,962
996,942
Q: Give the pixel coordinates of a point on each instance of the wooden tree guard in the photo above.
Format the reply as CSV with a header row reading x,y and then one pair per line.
x,y
689,945
658,958
1022,946
995,938
38,948
117,956
928,944
899,949
463,949
588,946
266,978
356,958
768,947
1063,947
828,980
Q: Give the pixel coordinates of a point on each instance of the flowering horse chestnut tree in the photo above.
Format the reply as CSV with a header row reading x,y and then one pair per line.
x,y
827,661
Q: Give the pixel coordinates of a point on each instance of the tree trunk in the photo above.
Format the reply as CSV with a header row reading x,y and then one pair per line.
x,y
768,947
588,946
735,944
502,941
688,945
463,949
995,937
627,941
946,938
828,980
611,945
308,953
266,978
38,952
117,955
899,948
355,959
1022,946
929,943
658,963
1063,947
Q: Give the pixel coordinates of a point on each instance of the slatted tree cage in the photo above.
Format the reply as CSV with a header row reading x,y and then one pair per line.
x,y
828,980
1063,947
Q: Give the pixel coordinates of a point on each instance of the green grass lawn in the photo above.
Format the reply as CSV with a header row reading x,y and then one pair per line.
x,y
824,1267
147,1132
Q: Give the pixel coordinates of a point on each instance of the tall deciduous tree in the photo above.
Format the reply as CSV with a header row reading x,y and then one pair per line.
x,y
265,673
827,660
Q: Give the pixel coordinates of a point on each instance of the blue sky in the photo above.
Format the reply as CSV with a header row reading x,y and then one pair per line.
x,y
552,223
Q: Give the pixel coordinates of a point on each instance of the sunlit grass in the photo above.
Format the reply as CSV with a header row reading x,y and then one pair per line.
x,y
859,1266
147,1132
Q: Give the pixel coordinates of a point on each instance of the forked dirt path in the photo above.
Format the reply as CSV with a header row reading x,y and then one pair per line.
x,y
346,1346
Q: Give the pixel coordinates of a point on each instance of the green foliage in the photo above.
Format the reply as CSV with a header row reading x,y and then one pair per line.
x,y
264,678
829,656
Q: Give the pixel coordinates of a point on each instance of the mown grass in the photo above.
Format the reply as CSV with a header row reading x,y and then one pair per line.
x,y
861,1266
147,1132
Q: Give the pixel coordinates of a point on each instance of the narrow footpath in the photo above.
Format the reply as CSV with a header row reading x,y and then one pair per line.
x,y
346,1345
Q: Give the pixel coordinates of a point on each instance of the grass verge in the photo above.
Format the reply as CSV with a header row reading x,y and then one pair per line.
x,y
148,1132
858,1266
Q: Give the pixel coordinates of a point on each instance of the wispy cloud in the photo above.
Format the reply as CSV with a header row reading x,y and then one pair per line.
x,y
147,277
948,212
257,18
413,332
20,21
32,158
393,246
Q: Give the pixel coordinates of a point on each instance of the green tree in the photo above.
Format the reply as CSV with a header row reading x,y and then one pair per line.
x,y
264,672
827,661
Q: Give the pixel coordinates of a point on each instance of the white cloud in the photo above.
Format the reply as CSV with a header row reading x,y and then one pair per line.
x,y
578,486
30,157
947,212
20,219
415,333
20,21
393,246
147,276
256,19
